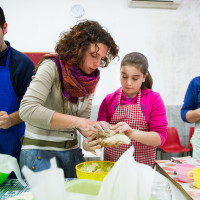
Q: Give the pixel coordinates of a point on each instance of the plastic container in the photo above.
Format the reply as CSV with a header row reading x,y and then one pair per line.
x,y
103,166
196,176
3,177
83,186
161,191
182,170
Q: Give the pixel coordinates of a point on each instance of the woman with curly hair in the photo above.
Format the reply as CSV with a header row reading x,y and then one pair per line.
x,y
59,99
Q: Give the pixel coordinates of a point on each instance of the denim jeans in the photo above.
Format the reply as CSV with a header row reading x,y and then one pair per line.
x,y
38,160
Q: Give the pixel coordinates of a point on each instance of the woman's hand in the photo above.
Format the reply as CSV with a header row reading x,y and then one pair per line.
x,y
87,127
122,127
91,144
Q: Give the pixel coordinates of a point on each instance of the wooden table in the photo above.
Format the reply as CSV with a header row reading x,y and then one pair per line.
x,y
168,168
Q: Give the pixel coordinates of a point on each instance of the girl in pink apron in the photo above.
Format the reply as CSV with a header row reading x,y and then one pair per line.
x,y
135,110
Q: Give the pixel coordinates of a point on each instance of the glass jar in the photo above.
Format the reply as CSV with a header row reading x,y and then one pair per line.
x,y
161,191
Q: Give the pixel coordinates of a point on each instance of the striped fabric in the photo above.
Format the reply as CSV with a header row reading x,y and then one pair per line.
x,y
132,115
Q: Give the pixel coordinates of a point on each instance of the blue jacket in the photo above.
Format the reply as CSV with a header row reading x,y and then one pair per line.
x,y
192,98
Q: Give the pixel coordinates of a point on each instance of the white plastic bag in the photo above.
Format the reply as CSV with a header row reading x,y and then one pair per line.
x,y
9,164
47,184
127,180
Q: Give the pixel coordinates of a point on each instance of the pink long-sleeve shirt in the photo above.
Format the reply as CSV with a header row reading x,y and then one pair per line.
x,y
152,107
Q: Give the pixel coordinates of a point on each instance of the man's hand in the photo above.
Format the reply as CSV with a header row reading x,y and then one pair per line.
x,y
5,120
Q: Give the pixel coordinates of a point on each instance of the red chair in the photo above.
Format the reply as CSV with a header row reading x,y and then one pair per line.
x,y
190,136
173,143
35,56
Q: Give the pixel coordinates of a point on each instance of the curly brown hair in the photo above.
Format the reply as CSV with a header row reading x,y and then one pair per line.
x,y
73,44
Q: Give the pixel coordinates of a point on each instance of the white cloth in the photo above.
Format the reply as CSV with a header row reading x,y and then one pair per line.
x,y
195,141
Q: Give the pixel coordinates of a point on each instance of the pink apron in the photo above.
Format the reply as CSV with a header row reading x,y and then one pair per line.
x,y
132,115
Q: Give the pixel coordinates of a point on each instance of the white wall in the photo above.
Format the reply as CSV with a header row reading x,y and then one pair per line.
x,y
168,38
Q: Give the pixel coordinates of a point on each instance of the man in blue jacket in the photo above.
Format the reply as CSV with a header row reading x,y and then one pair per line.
x,y
190,112
16,71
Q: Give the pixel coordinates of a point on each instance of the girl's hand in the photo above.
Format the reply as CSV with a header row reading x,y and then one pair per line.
x,y
122,127
91,144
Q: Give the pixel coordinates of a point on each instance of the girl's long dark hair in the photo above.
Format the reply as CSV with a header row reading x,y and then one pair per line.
x,y
139,61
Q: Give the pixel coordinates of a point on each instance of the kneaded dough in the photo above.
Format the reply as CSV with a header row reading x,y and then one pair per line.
x,y
115,140
112,139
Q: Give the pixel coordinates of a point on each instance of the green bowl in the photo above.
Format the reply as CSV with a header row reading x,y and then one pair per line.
x,y
3,177
83,186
